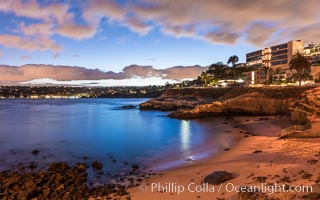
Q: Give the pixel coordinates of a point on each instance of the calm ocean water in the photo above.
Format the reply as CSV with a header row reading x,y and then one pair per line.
x,y
67,130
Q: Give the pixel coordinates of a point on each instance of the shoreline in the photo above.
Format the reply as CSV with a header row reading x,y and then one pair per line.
x,y
292,162
204,150
241,127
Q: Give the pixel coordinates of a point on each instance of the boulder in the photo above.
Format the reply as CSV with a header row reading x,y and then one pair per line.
x,y
35,152
129,106
58,167
81,167
97,165
219,177
312,196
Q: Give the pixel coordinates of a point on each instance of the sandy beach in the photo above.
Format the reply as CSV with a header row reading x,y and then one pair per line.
x,y
261,160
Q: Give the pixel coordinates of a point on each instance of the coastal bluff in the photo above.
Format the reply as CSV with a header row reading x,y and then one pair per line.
x,y
191,103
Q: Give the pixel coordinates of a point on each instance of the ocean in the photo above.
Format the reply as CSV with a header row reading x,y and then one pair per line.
x,y
85,130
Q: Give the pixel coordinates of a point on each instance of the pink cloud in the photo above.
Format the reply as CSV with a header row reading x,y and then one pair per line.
x,y
180,31
29,44
220,36
75,31
32,9
310,33
137,25
212,17
258,33
36,29
100,8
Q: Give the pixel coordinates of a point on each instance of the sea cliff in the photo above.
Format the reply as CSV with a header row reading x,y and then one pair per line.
x,y
195,103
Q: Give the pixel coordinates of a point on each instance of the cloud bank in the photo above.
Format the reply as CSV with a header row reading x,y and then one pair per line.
x,y
131,75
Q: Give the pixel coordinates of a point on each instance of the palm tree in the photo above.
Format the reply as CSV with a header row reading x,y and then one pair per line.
x,y
300,64
205,77
233,60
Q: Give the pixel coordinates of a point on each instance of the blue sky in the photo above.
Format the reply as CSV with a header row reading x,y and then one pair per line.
x,y
110,35
115,47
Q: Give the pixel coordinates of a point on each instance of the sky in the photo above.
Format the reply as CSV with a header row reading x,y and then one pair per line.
x,y
109,35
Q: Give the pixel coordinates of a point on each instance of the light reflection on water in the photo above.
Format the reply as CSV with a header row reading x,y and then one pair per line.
x,y
185,134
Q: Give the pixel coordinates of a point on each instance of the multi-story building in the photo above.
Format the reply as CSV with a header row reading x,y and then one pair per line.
x,y
313,53
267,58
282,54
255,59
260,58
275,57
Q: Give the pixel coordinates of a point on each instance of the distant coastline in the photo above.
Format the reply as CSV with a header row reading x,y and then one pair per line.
x,y
65,92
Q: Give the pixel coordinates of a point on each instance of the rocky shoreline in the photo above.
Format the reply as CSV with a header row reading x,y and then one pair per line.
x,y
239,101
61,181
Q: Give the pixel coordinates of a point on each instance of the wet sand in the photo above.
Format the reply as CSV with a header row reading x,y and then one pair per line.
x,y
293,162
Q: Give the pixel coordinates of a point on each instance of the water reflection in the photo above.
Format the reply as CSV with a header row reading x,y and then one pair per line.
x,y
185,135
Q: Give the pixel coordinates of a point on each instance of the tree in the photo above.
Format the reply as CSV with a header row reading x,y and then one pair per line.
x,y
217,70
233,60
301,65
205,77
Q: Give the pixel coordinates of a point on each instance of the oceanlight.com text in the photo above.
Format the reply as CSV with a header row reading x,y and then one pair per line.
x,y
173,187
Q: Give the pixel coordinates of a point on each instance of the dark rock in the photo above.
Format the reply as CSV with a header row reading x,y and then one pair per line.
x,y
32,165
58,167
285,179
219,177
312,161
261,179
312,196
129,107
97,165
248,195
306,176
21,167
35,152
135,167
257,151
81,167
85,158
263,118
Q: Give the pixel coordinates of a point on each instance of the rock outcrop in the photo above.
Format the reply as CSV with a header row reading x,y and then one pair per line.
x,y
226,101
247,104
187,98
170,104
